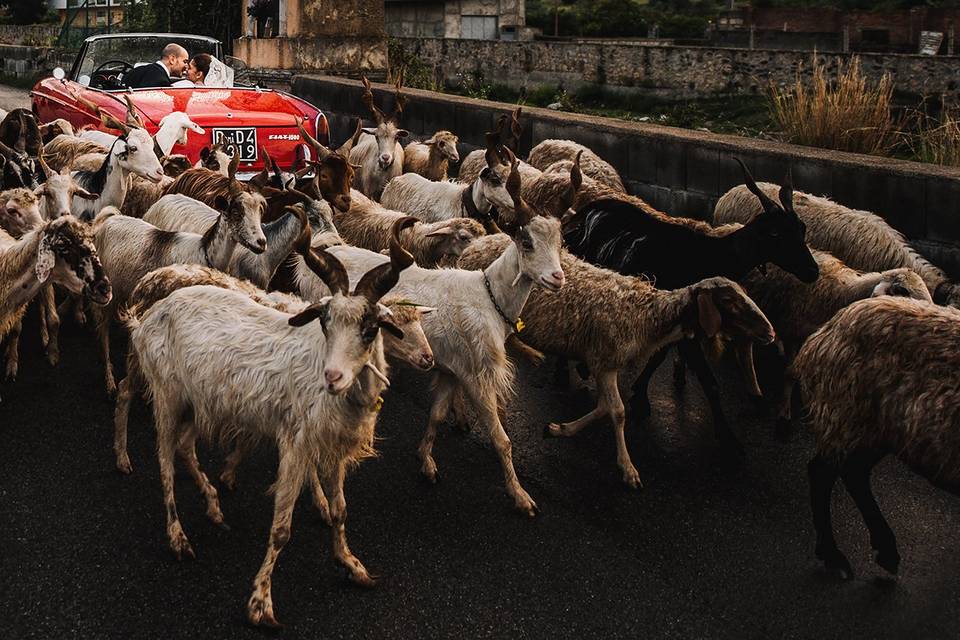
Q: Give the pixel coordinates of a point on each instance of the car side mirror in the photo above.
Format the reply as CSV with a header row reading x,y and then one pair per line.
x,y
59,73
84,80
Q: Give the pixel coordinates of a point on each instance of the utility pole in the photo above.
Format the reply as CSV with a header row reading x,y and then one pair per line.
x,y
556,19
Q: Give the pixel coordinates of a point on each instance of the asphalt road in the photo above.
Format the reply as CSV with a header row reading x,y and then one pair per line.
x,y
709,549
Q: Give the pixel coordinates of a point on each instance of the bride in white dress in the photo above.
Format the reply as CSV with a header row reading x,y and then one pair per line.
x,y
206,71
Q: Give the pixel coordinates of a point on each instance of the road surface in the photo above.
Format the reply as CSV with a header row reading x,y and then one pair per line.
x,y
709,549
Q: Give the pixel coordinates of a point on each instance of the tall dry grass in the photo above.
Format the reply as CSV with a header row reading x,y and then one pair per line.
x,y
936,139
847,114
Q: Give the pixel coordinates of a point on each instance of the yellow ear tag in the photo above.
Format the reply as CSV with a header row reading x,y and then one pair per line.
x,y
519,325
378,404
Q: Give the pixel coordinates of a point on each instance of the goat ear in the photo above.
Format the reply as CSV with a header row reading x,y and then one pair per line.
x,y
708,314
402,133
369,130
316,311
446,231
204,154
46,259
120,148
40,191
425,310
221,203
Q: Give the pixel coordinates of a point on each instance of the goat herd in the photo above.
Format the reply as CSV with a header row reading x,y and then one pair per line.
x,y
265,311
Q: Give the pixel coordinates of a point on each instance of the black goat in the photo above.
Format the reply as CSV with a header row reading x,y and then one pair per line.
x,y
618,235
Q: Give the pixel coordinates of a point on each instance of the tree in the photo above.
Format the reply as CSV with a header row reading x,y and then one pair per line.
x,y
26,11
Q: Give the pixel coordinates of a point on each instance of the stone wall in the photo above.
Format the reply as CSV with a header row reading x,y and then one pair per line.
x,y
669,71
31,35
33,62
327,54
681,171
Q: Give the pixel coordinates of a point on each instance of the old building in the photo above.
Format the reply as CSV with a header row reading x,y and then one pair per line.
x,y
89,13
836,30
333,36
470,19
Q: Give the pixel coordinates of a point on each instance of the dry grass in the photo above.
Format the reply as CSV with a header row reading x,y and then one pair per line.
x,y
846,114
936,139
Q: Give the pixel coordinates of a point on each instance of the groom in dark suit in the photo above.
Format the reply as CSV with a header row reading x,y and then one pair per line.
x,y
172,62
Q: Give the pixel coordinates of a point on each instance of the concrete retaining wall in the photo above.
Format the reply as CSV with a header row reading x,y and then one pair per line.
x,y
685,172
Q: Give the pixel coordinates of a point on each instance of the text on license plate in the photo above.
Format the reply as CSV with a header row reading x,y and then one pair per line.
x,y
245,138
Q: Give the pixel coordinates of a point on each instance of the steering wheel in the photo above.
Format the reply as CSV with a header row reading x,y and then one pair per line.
x,y
109,78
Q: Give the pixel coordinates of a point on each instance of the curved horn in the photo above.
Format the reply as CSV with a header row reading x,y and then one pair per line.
x,y
765,200
89,104
47,171
569,195
133,116
513,178
302,244
513,140
378,281
328,269
111,122
322,151
786,191
400,100
367,99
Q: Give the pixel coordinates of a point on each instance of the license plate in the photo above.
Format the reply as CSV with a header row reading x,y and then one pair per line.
x,y
245,138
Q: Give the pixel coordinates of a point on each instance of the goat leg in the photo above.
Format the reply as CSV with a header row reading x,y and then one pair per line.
x,y
640,402
691,351
51,325
855,472
286,489
823,475
333,487
188,451
13,350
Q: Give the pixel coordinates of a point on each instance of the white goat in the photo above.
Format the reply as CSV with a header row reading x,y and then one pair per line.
x,y
433,201
475,313
379,156
130,248
315,391
131,153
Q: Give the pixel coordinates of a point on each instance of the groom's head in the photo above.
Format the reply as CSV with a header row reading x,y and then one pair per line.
x,y
174,58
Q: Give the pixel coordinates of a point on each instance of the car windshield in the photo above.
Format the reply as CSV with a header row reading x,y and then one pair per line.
x,y
135,50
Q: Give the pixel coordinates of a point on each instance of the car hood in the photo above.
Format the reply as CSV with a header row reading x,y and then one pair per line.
x,y
220,107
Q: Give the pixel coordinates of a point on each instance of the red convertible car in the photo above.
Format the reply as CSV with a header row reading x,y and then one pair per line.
x,y
250,117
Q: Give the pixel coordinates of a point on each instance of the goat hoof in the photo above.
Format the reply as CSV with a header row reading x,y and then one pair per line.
x,y
123,464
53,358
364,580
260,613
11,374
182,549
631,478
431,475
834,560
223,526
552,430
889,559
228,480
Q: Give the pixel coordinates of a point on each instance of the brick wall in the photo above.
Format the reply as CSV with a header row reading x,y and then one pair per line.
x,y
681,171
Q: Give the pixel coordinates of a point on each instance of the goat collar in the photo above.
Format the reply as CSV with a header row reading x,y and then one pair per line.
x,y
471,207
515,325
